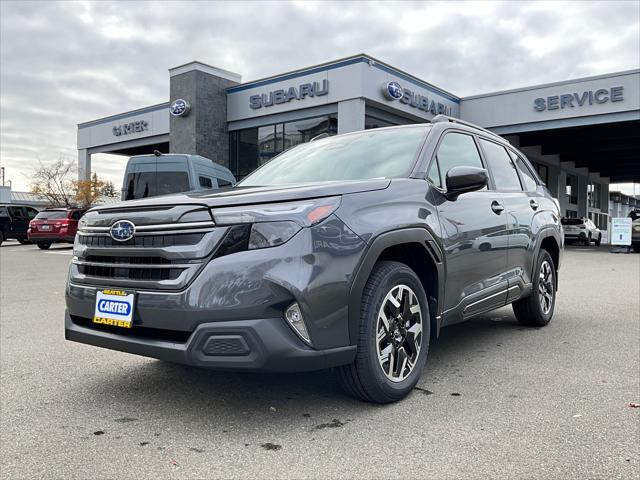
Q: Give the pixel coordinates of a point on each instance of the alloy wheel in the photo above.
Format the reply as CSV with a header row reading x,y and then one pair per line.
x,y
545,287
399,333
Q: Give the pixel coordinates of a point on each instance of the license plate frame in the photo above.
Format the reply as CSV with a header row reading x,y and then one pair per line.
x,y
114,307
45,228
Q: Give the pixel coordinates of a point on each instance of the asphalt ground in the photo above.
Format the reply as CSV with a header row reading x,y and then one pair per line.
x,y
497,400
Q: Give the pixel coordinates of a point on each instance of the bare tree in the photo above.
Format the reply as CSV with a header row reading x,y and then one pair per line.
x,y
55,182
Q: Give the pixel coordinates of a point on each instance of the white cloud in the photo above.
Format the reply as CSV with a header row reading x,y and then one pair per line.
x,y
65,63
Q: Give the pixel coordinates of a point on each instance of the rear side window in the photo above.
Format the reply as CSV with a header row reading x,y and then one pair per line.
x,y
31,213
530,183
205,182
17,212
224,183
504,171
4,212
456,150
75,215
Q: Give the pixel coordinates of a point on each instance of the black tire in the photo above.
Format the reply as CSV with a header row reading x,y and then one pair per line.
x,y
23,241
1,237
44,245
599,240
588,241
366,377
529,311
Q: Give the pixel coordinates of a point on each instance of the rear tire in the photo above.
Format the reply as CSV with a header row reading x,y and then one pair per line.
x,y
588,241
44,245
393,339
599,240
536,310
23,241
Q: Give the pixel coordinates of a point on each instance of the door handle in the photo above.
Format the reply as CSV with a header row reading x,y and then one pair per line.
x,y
533,204
497,207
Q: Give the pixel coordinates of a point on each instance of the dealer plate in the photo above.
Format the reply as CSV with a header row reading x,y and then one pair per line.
x,y
114,307
45,227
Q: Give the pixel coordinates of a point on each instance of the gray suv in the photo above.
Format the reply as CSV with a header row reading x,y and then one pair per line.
x,y
351,252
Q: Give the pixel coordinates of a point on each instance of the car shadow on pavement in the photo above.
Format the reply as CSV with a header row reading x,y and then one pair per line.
x,y
201,397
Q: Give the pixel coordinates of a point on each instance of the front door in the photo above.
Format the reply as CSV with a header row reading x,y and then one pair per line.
x,y
474,235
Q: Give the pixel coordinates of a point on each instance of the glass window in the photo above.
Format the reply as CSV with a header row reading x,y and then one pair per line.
x,y
17,212
373,122
51,215
362,155
3,212
253,147
594,194
457,150
571,214
543,172
528,178
205,182
502,168
150,184
434,174
31,213
572,189
223,183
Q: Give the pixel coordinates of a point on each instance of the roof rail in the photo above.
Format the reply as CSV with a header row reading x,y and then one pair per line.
x,y
445,118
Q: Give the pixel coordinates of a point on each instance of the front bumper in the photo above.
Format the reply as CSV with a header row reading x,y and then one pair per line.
x,y
266,345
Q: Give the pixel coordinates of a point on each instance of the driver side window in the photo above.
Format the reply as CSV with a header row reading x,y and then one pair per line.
x,y
455,150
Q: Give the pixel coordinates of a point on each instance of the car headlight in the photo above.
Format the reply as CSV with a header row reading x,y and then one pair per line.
x,y
272,224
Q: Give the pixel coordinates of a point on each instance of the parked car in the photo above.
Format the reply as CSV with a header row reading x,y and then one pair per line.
x,y
635,229
14,221
54,225
343,252
581,230
153,175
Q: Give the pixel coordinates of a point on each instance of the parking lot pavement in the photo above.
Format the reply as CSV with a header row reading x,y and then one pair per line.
x,y
497,400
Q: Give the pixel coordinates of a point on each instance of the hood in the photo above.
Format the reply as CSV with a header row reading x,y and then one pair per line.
x,y
252,195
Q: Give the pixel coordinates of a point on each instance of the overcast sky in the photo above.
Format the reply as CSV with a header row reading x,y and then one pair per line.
x,y
69,62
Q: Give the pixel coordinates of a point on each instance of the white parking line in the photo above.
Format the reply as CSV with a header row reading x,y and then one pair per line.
x,y
61,252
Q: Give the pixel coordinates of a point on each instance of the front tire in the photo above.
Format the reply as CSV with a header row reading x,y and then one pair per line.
x,y
536,310
44,245
393,340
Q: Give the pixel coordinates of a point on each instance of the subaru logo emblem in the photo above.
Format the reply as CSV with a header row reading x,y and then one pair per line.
x,y
179,108
393,90
122,230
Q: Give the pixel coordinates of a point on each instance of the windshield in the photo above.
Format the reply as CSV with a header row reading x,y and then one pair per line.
x,y
51,215
634,215
369,154
572,221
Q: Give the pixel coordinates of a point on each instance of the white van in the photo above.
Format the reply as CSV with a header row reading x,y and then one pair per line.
x,y
152,175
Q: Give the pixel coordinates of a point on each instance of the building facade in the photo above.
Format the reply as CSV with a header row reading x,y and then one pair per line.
x,y
580,134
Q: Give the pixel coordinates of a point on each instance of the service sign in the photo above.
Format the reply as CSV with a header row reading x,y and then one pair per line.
x,y
621,231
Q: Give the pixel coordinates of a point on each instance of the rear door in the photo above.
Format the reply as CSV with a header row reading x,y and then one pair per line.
x,y
473,234
521,199
19,221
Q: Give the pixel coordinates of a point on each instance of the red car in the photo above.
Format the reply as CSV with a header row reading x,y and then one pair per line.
x,y
54,225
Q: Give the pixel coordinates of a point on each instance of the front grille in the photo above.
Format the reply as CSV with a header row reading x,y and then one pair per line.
x,y
176,336
129,260
149,241
153,274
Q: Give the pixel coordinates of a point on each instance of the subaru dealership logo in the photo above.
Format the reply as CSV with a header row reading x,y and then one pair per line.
x,y
393,90
122,230
179,108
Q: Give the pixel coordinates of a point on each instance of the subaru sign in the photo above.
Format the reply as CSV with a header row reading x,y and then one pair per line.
x,y
392,91
284,95
179,108
122,230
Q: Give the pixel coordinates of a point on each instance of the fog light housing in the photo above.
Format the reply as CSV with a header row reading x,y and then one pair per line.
x,y
293,315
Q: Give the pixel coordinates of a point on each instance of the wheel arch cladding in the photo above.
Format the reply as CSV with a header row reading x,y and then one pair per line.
x,y
550,244
416,248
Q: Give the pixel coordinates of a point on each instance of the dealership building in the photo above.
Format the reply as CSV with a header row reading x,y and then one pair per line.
x,y
581,135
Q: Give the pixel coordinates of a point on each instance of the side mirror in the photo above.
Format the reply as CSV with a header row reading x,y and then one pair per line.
x,y
465,179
